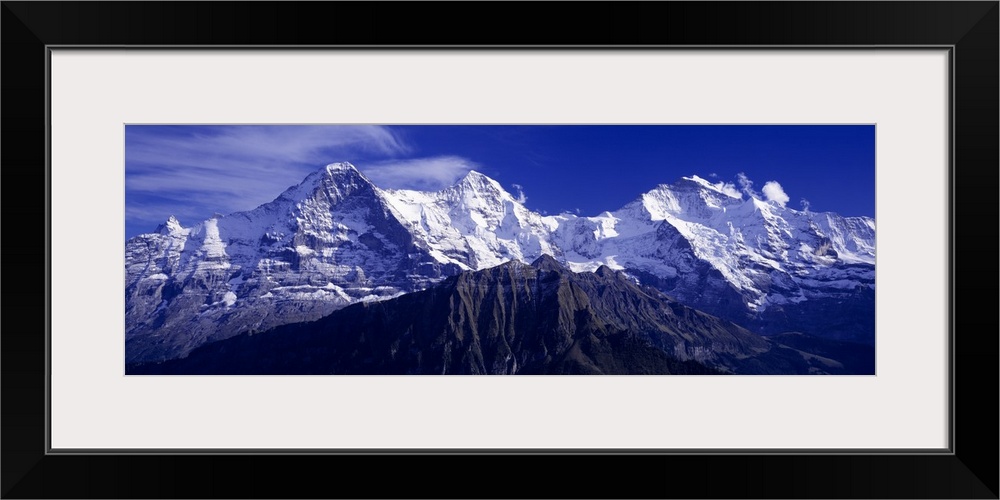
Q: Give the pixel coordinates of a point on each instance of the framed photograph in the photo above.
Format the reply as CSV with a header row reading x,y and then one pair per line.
x,y
728,250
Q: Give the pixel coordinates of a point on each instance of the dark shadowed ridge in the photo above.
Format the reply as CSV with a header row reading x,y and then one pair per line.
x,y
510,319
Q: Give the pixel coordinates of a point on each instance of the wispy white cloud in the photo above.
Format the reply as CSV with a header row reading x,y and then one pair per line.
x,y
728,188
805,205
195,171
521,198
774,192
267,147
245,161
422,174
746,185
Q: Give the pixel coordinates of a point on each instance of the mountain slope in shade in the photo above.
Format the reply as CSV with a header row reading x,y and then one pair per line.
x,y
336,239
509,319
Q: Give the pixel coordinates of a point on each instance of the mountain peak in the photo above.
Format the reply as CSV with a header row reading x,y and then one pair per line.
x,y
475,179
336,179
546,262
338,167
332,172
475,182
341,171
172,225
605,272
474,175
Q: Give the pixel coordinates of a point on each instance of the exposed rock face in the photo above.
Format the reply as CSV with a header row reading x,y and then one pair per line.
x,y
509,319
336,239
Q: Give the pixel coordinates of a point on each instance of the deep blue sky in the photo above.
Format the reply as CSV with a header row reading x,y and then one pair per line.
x,y
195,171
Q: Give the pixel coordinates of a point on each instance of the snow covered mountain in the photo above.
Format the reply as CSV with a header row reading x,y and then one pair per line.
x,y
474,224
762,265
327,242
337,239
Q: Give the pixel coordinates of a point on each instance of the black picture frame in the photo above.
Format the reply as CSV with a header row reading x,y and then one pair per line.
x,y
970,29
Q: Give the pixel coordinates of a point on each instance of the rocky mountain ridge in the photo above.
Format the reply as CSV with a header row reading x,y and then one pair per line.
x,y
510,319
336,239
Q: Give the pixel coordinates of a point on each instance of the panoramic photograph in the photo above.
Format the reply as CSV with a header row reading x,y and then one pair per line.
x,y
499,250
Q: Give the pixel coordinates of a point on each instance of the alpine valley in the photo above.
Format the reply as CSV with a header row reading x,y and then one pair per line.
x,y
337,275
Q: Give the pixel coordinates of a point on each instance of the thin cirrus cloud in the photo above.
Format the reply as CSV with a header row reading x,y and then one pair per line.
x,y
421,174
194,171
